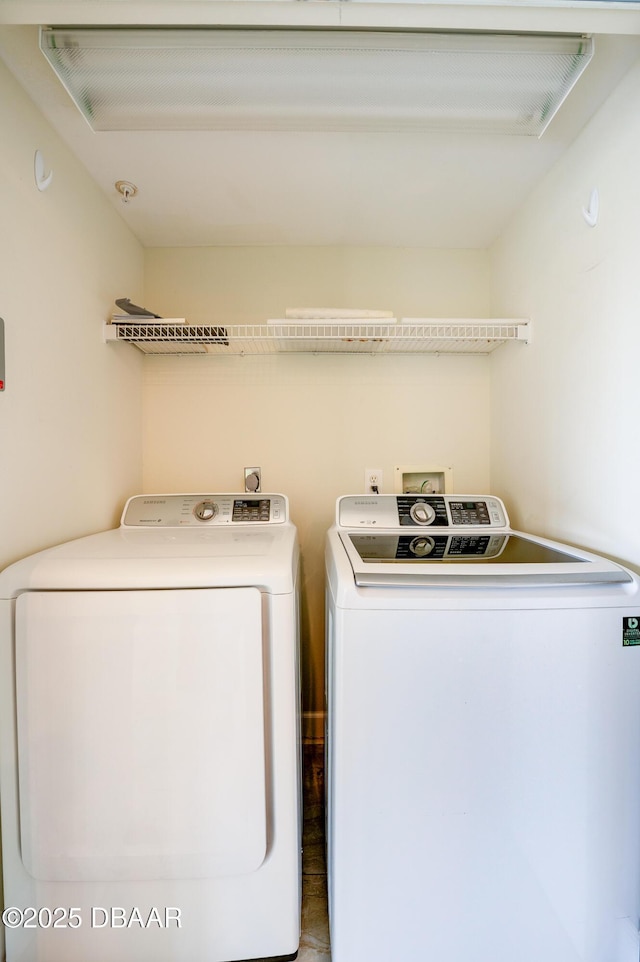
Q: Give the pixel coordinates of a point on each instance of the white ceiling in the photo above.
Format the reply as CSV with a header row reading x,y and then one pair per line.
x,y
202,188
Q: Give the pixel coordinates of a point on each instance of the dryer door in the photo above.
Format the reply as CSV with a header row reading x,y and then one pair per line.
x,y
141,734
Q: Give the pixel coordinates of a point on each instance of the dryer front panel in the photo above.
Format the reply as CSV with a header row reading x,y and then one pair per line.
x,y
141,734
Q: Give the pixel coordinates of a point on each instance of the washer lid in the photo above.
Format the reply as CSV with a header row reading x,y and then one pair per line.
x,y
473,557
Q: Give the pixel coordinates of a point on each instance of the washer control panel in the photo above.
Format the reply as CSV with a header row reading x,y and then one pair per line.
x,y
421,511
203,510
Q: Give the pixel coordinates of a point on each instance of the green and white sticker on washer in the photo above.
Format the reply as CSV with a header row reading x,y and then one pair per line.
x,y
631,631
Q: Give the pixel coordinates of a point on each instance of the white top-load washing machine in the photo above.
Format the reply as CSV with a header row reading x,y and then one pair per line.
x,y
149,738
483,744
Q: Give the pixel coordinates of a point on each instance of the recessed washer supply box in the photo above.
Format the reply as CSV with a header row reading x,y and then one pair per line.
x,y
418,479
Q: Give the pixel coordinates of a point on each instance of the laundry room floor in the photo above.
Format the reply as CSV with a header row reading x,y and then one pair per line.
x,y
314,943
314,939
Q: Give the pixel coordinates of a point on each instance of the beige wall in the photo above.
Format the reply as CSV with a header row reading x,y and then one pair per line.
x,y
313,423
565,411
70,415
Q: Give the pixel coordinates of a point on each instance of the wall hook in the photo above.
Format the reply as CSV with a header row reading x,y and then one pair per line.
x,y
42,179
590,213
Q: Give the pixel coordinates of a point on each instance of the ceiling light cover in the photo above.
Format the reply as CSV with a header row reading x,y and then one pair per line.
x,y
250,79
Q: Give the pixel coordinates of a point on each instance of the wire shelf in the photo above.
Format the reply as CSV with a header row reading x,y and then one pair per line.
x,y
415,336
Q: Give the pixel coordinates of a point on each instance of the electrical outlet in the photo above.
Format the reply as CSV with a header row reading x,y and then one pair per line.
x,y
373,480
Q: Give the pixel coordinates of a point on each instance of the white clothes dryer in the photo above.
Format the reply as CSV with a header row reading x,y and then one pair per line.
x,y
149,738
483,743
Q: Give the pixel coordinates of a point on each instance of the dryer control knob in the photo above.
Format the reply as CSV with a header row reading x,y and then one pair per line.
x,y
421,512
422,547
205,510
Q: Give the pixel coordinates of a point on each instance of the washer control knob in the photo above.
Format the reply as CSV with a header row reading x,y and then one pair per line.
x,y
421,512
422,547
205,510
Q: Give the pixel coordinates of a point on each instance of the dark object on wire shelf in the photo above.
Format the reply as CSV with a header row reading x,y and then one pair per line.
x,y
125,305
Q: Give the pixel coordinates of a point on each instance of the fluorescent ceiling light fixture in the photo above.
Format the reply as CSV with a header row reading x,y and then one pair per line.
x,y
257,79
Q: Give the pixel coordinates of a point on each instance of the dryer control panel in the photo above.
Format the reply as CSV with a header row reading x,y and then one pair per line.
x,y
417,510
203,510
